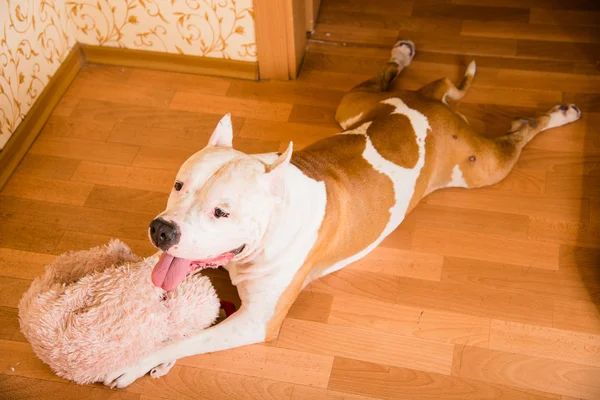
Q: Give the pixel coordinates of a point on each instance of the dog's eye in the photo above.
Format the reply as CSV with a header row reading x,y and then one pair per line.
x,y
178,185
220,213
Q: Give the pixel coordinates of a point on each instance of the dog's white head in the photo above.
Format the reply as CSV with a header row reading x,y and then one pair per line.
x,y
219,208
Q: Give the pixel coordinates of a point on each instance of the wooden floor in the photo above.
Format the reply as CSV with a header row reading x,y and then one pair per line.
x,y
481,294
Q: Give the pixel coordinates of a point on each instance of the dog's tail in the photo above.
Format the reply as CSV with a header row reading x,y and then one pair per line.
x,y
457,93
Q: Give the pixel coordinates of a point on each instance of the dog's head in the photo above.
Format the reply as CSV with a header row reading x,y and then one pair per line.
x,y
218,210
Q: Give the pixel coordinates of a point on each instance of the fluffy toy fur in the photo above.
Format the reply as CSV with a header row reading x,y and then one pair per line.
x,y
97,310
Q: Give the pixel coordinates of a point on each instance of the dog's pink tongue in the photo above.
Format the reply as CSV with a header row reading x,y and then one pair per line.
x,y
169,271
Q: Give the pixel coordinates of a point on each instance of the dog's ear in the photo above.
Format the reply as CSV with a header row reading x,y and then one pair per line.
x,y
276,170
223,133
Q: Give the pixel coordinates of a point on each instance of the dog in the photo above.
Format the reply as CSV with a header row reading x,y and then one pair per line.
x,y
279,221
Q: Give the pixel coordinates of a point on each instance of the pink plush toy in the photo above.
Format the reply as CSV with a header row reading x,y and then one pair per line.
x,y
95,311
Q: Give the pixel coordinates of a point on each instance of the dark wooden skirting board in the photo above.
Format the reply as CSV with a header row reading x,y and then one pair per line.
x,y
170,62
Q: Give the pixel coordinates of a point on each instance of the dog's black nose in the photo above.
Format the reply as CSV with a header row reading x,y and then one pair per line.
x,y
164,234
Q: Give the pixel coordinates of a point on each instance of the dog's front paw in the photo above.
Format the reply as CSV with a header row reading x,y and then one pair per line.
x,y
124,377
162,369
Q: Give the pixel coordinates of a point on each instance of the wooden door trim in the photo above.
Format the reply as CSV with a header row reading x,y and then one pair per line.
x,y
280,37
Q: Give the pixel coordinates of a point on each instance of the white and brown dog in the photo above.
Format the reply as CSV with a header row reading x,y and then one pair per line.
x,y
280,221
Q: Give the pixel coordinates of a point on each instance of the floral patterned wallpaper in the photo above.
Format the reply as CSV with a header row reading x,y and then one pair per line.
x,y
33,43
210,28
37,35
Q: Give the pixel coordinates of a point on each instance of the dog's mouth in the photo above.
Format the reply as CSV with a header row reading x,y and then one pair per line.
x,y
170,271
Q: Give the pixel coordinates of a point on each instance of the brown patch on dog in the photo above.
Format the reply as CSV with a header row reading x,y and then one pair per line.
x,y
352,221
395,140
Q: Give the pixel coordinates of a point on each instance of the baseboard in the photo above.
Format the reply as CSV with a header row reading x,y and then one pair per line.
x,y
23,137
170,62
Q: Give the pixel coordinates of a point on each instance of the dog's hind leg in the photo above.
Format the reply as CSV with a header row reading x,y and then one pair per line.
x,y
360,99
483,161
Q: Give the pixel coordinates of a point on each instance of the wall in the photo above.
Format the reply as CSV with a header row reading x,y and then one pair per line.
x,y
33,43
37,35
